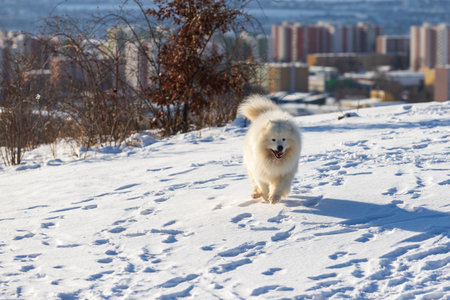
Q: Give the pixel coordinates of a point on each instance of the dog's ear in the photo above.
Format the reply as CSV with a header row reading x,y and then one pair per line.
x,y
268,124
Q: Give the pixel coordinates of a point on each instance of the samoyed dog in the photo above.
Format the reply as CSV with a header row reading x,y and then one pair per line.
x,y
271,149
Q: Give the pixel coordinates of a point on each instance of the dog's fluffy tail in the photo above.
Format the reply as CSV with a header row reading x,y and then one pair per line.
x,y
254,106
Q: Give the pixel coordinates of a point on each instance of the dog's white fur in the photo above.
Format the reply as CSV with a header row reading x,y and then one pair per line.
x,y
271,129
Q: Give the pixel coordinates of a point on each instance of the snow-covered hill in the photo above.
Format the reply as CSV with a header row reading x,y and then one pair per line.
x,y
368,217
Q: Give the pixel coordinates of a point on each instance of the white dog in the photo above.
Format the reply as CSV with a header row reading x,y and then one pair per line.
x,y
271,149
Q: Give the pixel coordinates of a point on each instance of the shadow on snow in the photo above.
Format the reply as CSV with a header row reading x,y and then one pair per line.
x,y
364,214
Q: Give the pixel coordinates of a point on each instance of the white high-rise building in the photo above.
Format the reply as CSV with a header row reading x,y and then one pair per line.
x,y
443,45
428,45
284,42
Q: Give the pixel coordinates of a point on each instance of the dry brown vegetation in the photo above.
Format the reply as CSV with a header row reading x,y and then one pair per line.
x,y
189,80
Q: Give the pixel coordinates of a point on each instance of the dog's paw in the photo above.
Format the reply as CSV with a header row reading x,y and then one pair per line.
x,y
256,195
274,199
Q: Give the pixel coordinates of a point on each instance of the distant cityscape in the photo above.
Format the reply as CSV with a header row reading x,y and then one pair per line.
x,y
345,61
364,54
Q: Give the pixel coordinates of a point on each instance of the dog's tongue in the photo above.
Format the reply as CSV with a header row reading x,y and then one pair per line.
x,y
278,154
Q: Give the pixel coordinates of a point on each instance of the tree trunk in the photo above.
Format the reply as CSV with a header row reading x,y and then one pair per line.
x,y
185,125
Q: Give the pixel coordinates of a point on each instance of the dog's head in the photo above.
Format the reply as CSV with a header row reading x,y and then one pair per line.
x,y
279,137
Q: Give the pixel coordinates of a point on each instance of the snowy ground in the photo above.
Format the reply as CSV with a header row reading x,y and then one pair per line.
x,y
368,217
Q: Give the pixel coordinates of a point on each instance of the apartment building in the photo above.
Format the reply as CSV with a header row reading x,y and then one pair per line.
x,y
442,84
293,42
393,44
430,46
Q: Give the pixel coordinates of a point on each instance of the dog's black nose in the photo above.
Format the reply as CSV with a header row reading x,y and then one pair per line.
x,y
280,148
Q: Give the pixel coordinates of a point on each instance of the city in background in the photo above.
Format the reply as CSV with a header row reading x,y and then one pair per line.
x,y
354,60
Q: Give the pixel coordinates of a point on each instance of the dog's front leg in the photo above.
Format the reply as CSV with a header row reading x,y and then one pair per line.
x,y
256,193
275,192
264,188
279,187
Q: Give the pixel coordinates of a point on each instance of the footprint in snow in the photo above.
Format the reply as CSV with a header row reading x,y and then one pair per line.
x,y
178,280
111,253
68,246
132,208
119,288
323,276
365,238
217,207
161,199
331,163
445,182
390,192
271,271
170,239
182,294
105,260
177,186
228,267
281,236
182,172
242,249
337,255
83,201
126,187
171,234
65,209
88,207
220,186
100,242
25,269
25,236
207,248
159,169
169,223
98,276
399,173
348,263
118,229
265,289
55,162
149,270
420,146
47,225
27,257
240,217
278,218
36,206
130,268
147,211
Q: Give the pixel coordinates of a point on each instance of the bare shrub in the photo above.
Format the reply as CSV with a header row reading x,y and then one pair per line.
x,y
89,77
22,110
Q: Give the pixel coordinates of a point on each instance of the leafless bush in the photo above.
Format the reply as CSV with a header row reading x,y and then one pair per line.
x,y
89,75
23,102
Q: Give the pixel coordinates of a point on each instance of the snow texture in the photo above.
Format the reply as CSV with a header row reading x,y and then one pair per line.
x,y
368,216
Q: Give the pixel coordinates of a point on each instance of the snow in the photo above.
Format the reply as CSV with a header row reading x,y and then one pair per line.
x,y
368,216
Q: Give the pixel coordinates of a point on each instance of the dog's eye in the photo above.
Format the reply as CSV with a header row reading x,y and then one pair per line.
x,y
273,140
284,139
